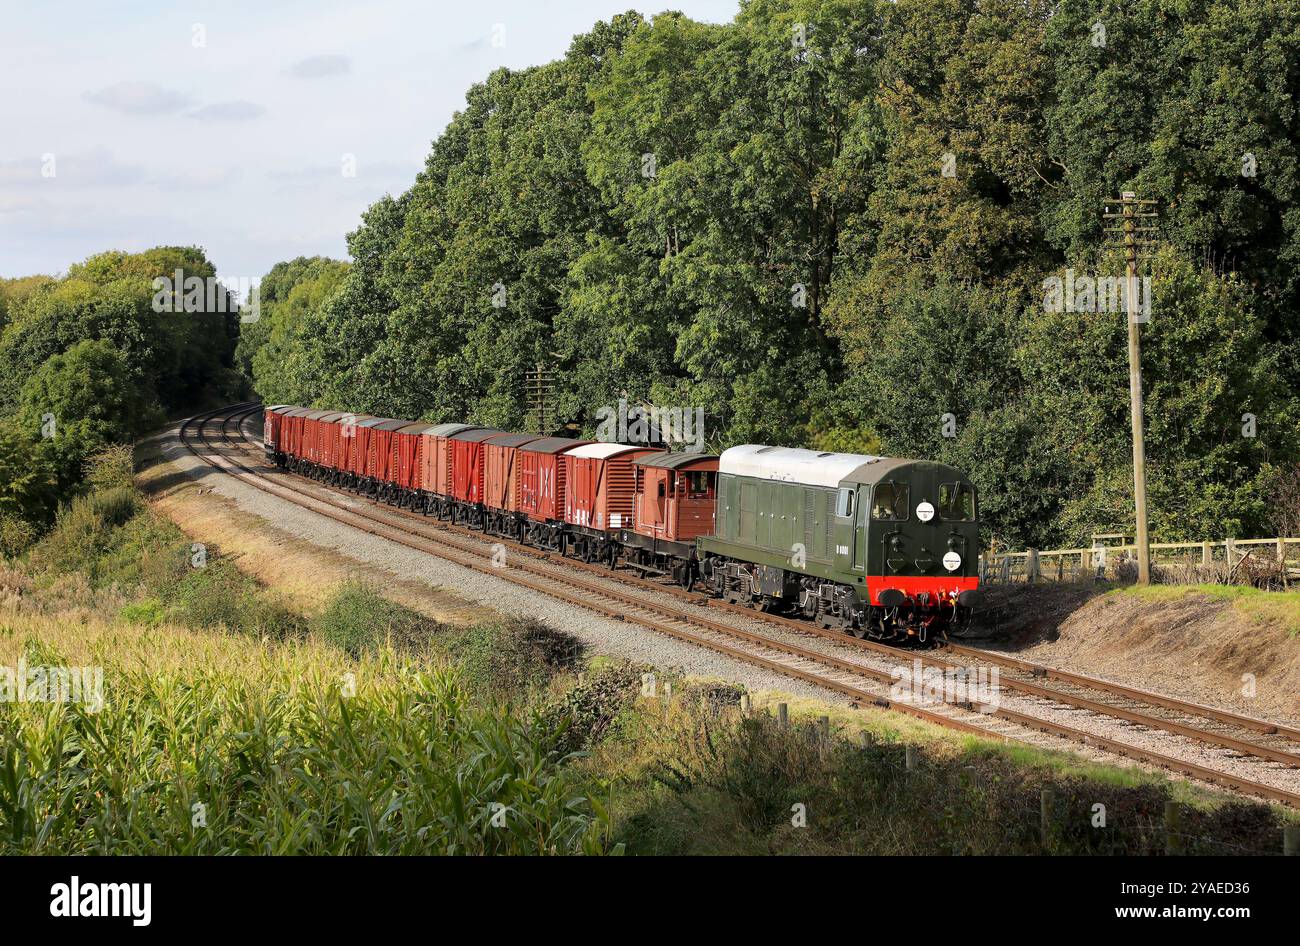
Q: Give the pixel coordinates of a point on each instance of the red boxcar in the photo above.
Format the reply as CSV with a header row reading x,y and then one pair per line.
x,y
436,474
675,495
541,477
381,453
408,459
501,463
359,455
351,450
273,427
327,432
467,467
293,421
599,483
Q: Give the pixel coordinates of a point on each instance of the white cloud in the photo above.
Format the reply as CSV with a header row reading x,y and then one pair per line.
x,y
139,98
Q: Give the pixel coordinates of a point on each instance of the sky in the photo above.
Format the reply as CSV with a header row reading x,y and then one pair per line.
x,y
126,124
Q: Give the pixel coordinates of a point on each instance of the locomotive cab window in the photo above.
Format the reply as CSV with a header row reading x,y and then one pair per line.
x,y
890,502
957,502
844,503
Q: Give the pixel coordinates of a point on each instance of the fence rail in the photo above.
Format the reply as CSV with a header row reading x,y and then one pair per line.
x,y
1270,563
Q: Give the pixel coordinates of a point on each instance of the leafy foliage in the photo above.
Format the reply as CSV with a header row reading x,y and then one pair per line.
x,y
829,223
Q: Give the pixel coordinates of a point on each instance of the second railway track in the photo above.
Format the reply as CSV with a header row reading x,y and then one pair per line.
x,y
1271,751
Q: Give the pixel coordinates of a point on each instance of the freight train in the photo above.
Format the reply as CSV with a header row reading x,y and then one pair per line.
x,y
880,548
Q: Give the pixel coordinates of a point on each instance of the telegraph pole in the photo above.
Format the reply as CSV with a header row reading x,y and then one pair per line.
x,y
1131,211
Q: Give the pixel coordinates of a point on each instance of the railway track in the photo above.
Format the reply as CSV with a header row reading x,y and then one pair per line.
x,y
1237,737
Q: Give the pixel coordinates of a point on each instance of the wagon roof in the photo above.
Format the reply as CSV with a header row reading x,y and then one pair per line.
x,y
331,416
678,460
296,411
513,440
603,451
365,420
416,428
446,430
279,408
478,434
392,424
553,445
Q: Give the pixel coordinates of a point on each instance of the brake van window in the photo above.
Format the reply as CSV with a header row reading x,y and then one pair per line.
x,y
957,502
890,501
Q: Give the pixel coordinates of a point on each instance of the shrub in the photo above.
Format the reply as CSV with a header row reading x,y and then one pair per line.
x,y
16,534
358,619
514,656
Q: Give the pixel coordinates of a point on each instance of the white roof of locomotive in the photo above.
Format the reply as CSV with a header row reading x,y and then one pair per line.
x,y
790,464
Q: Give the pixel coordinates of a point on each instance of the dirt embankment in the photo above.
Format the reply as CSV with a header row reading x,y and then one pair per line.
x,y
1230,649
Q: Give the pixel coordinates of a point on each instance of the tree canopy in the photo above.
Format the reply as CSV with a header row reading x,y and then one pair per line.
x,y
829,223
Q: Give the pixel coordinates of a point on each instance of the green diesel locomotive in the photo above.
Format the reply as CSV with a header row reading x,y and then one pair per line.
x,y
882,548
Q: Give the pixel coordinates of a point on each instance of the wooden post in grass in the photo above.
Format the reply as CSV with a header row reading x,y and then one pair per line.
x,y
1291,839
1046,803
1031,566
1173,828
909,757
744,704
782,715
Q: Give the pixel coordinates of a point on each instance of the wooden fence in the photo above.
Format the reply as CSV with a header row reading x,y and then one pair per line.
x,y
1273,563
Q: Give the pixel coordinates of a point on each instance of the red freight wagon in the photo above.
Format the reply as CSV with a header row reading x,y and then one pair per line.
x,y
435,474
327,432
599,483
306,423
468,471
272,429
673,502
408,448
501,482
380,464
541,487
293,431
351,462
359,457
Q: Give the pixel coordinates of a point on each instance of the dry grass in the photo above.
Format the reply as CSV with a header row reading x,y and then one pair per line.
x,y
303,573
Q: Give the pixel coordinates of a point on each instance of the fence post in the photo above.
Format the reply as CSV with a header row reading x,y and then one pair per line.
x,y
1207,555
1173,828
1031,566
909,757
1085,562
1045,805
1281,550
824,734
744,704
782,715
1229,546
1291,839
